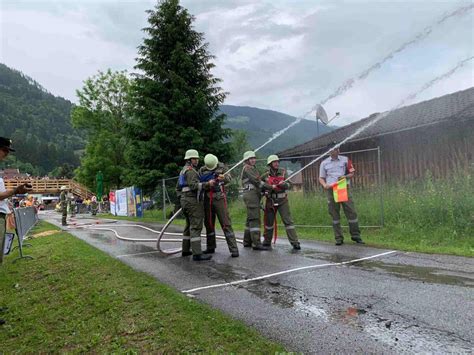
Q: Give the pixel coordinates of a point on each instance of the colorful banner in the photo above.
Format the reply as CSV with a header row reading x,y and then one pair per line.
x,y
121,202
340,190
126,202
112,202
131,205
137,194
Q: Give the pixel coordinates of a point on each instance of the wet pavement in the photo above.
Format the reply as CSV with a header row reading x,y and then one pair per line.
x,y
400,302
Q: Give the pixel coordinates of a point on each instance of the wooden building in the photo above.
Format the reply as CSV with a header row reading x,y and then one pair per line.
x,y
435,136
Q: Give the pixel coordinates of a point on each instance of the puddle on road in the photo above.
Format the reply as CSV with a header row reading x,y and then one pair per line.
x,y
394,330
409,272
105,238
421,273
333,258
220,272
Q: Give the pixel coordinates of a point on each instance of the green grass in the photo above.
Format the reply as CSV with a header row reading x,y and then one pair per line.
x,y
75,298
432,216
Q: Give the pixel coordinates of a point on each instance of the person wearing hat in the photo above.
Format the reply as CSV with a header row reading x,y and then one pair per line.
x,y
190,188
63,198
215,204
252,186
5,149
277,200
332,169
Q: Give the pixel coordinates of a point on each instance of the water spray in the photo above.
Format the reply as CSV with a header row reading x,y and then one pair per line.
x,y
348,84
384,114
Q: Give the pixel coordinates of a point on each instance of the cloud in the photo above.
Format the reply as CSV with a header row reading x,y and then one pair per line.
x,y
280,54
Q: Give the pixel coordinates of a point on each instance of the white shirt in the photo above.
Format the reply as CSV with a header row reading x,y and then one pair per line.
x,y
3,203
333,169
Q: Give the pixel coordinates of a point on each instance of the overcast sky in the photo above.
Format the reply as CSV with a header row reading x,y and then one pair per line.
x,y
285,55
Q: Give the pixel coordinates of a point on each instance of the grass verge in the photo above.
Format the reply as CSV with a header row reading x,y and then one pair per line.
x,y
75,298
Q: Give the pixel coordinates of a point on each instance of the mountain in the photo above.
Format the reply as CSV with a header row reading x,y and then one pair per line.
x,y
261,124
37,122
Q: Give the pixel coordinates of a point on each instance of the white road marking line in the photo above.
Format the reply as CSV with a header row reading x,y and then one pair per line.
x,y
147,252
287,272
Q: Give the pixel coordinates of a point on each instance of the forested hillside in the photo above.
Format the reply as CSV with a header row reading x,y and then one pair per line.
x,y
38,123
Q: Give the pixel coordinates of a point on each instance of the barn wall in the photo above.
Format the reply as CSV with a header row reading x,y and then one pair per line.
x,y
405,156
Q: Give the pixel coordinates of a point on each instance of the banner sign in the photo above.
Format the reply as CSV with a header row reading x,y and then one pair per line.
x,y
112,202
131,205
126,202
137,193
121,202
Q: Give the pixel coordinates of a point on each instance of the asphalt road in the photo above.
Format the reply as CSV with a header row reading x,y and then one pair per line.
x,y
396,302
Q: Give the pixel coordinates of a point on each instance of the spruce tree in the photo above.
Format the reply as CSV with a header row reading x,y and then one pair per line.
x,y
175,98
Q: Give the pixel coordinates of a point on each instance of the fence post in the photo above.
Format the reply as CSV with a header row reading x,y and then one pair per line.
x,y
380,186
163,183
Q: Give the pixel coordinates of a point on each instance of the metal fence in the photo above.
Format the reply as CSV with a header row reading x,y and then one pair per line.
x,y
306,194
25,219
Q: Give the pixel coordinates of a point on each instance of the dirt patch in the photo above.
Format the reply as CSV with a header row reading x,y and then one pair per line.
x,y
45,233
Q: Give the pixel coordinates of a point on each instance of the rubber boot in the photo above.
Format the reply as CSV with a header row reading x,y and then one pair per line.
x,y
202,257
261,247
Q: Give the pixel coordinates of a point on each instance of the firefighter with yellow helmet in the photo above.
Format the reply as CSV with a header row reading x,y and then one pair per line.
x,y
215,204
190,187
277,201
252,186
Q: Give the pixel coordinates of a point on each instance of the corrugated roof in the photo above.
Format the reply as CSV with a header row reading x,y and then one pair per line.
x,y
452,107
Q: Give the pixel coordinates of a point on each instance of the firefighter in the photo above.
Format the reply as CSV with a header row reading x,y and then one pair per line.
x,y
252,186
63,200
215,204
277,200
190,188
332,169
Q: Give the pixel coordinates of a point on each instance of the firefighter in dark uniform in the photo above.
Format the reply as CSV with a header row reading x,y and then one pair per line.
x,y
190,188
331,170
215,204
63,198
252,186
277,200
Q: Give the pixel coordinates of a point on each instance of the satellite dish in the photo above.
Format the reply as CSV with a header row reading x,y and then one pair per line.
x,y
321,114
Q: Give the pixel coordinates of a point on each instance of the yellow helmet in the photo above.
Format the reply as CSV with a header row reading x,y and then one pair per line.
x,y
272,158
249,154
63,188
190,154
211,161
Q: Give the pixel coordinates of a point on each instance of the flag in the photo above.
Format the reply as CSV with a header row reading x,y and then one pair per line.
x,y
339,190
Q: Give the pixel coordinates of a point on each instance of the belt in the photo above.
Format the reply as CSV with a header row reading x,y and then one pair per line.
x,y
249,187
279,195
